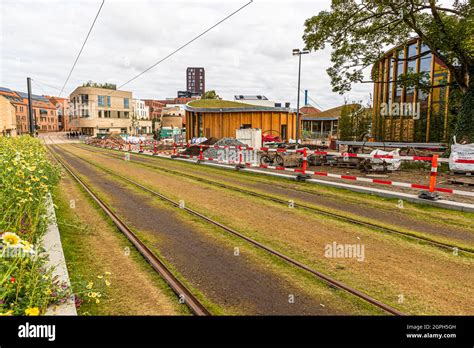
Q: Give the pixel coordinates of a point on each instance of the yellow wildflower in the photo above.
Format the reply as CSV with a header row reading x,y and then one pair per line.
x,y
6,314
32,311
90,285
107,282
11,239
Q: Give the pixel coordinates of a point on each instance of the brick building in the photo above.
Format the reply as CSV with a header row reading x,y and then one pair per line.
x,y
7,118
62,109
155,107
196,80
44,112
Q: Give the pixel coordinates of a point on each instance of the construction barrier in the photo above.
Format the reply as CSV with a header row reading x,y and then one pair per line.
x,y
431,187
434,170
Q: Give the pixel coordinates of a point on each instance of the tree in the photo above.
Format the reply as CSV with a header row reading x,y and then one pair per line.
x,y
345,124
354,122
360,31
210,95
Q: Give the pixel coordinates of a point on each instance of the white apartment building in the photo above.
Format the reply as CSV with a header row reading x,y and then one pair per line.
x,y
142,122
140,110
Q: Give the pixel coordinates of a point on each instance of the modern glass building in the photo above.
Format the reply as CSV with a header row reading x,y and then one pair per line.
x,y
409,114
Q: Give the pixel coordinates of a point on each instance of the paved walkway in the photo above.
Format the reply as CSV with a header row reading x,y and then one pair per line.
x,y
57,138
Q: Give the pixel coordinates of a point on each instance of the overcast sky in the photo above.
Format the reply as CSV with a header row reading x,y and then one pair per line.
x,y
248,54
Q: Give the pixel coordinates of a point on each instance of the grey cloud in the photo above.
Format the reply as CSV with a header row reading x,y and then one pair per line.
x,y
250,53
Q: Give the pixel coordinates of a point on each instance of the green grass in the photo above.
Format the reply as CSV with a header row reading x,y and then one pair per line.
x,y
421,212
216,103
83,265
305,281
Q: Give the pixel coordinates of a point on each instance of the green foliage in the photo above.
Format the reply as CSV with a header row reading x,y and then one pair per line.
x,y
464,127
210,95
217,103
100,85
354,122
345,124
359,32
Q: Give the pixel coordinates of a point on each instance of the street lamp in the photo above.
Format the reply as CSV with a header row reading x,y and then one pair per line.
x,y
298,52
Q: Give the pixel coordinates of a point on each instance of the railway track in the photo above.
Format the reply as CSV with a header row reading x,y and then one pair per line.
x,y
329,280
312,209
178,287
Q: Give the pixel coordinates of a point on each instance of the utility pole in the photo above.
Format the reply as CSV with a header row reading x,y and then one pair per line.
x,y
31,118
298,52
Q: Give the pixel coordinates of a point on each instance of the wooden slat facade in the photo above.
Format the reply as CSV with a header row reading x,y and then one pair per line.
x,y
224,124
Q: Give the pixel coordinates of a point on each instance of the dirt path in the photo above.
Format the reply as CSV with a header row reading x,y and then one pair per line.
x,y
233,283
394,267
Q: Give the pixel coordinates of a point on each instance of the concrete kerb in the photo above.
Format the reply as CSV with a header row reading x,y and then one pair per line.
x,y
52,244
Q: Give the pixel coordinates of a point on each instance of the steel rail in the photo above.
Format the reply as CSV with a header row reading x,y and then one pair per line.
x,y
329,280
315,210
193,303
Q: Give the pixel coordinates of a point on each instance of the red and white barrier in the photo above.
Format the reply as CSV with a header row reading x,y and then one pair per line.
x,y
431,187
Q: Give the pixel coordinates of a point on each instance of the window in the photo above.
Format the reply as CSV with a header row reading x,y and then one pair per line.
x,y
126,114
283,132
126,103
100,113
101,100
390,75
108,100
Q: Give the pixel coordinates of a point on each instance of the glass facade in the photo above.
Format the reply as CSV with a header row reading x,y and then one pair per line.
x,y
411,114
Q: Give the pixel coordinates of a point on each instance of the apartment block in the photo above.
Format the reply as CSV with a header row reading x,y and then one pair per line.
x,y
141,118
155,108
7,118
195,80
97,110
44,112
62,109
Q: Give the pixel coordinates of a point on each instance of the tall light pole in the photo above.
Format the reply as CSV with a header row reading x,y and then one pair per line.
x,y
298,52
